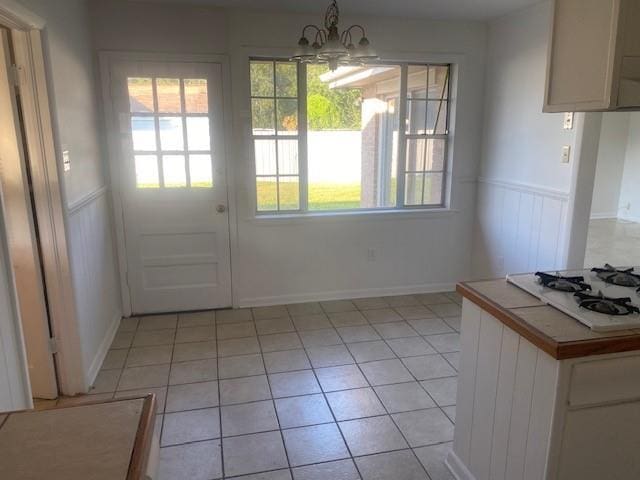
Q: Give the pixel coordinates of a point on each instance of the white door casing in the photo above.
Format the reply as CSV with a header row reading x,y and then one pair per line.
x,y
172,184
21,239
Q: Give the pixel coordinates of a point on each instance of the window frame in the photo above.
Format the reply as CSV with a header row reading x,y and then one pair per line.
x,y
403,136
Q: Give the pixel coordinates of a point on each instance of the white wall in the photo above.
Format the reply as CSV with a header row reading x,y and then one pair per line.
x,y
523,188
630,190
76,121
297,259
610,165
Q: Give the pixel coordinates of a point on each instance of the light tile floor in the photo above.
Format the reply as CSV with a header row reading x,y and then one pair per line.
x,y
362,389
612,241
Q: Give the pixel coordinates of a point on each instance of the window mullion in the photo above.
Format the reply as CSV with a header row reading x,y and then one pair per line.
x,y
302,138
402,141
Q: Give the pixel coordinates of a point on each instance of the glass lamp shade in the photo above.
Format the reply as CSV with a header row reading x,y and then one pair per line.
x,y
304,50
364,50
333,47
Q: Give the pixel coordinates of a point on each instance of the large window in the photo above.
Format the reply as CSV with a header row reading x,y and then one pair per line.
x,y
360,137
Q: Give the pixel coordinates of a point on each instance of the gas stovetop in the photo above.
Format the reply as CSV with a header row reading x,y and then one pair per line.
x,y
604,299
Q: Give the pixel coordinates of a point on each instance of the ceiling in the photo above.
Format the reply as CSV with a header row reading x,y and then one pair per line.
x,y
438,9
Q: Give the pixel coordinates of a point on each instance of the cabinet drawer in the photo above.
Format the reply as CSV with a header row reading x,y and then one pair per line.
x,y
604,381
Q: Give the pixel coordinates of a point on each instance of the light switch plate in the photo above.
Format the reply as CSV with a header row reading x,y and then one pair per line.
x,y
66,161
566,154
568,121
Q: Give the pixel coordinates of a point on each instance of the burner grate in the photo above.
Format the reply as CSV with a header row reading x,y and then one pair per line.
x,y
605,305
563,284
620,277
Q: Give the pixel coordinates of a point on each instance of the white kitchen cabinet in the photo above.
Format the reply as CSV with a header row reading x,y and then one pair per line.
x,y
594,56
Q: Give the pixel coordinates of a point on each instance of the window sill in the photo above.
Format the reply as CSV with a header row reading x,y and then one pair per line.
x,y
350,216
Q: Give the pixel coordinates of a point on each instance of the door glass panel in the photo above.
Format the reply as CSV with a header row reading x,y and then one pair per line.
x,y
263,116
287,117
171,133
143,133
262,79
265,153
286,79
168,92
267,193
288,157
140,95
196,97
173,170
147,171
289,193
200,171
198,133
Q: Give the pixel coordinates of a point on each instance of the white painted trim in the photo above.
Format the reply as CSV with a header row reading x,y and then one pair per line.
x,y
603,216
98,360
15,16
107,59
345,294
526,188
629,218
457,468
87,200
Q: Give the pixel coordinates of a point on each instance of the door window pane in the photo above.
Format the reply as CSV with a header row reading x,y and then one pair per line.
x,y
287,117
417,81
200,171
147,171
262,79
286,79
143,133
173,170
263,116
416,117
438,81
171,133
196,97
198,133
140,95
288,157
168,92
289,193
265,154
437,118
267,193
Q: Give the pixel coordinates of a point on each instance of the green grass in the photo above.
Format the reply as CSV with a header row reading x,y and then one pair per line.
x,y
322,196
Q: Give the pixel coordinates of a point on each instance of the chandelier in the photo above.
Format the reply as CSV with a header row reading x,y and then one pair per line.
x,y
332,47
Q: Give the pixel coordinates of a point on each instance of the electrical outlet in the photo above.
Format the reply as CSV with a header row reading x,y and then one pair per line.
x,y
566,154
371,255
66,161
568,121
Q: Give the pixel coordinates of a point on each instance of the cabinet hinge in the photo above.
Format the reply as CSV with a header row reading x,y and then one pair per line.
x,y
53,345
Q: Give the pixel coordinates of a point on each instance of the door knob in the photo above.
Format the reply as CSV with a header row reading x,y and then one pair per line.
x,y
221,208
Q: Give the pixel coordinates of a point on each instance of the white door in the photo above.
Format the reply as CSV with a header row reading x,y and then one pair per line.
x,y
172,184
21,239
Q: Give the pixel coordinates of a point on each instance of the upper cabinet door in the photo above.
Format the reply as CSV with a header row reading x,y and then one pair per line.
x,y
594,56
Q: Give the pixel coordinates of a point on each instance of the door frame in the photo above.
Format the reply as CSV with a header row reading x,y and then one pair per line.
x,y
107,60
48,192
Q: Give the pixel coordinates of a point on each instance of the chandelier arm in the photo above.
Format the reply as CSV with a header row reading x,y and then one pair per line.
x,y
321,35
312,26
363,33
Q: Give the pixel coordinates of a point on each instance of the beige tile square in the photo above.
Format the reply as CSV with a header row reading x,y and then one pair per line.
x,y
234,315
286,361
400,465
319,338
382,315
249,418
243,390
337,470
114,359
432,326
453,358
305,323
195,334
280,341
358,403
433,298
429,366
122,340
340,378
303,411
337,306
450,412
191,426
329,356
372,435
142,356
291,384
128,324
410,347
447,309
347,319
314,444
395,330
445,343
309,308
404,397
183,352
442,390
193,461
192,396
158,322
402,301
370,351
433,459
415,312
274,325
238,346
369,303
148,338
259,452
196,319
360,333
236,330
241,366
106,381
194,371
276,311
144,377
424,427
159,392
384,372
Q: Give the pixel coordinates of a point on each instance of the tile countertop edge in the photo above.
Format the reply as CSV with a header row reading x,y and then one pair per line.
x,y
559,350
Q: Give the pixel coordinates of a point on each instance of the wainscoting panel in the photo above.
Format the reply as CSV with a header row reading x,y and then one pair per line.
x,y
95,278
519,228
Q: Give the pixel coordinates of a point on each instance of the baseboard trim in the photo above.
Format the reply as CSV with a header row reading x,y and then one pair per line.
x,y
458,469
344,294
629,218
96,365
603,216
